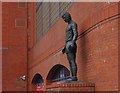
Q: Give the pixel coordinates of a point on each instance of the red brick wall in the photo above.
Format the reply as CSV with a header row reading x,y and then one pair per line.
x,y
14,59
31,30
0,47
97,57
31,24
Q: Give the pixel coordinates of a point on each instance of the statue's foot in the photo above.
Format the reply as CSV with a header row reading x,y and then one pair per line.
x,y
74,78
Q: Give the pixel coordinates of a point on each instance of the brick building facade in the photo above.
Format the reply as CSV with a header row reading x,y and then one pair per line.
x,y
97,52
16,27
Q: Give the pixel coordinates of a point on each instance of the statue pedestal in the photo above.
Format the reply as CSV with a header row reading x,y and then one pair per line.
x,y
71,86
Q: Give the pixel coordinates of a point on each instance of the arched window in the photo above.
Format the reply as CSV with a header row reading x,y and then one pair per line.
x,y
58,73
37,80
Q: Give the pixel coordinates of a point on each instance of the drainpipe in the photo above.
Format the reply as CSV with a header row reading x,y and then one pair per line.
x,y
27,48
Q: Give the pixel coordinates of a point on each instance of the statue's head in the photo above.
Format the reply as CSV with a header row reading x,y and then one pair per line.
x,y
66,17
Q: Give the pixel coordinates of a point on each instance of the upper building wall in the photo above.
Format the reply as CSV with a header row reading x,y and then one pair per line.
x,y
81,12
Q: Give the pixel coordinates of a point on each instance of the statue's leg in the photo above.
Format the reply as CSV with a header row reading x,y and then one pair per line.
x,y
73,67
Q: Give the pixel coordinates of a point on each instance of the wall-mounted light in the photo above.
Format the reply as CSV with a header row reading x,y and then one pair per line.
x,y
23,77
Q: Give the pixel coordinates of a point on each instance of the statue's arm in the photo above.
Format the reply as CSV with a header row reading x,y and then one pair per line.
x,y
75,32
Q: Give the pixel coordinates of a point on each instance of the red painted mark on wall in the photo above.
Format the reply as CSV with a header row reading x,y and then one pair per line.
x,y
40,88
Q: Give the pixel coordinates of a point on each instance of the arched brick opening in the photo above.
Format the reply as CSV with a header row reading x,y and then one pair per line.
x,y
57,73
38,83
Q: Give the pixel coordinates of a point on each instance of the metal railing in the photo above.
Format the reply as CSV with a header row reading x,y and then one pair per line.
x,y
60,79
47,13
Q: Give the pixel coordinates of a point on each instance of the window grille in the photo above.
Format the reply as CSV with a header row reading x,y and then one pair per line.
x,y
47,13
60,74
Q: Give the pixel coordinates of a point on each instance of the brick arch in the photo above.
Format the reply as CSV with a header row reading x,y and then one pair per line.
x,y
37,82
53,70
37,79
53,65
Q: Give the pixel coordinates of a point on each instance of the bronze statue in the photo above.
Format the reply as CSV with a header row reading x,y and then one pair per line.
x,y
70,46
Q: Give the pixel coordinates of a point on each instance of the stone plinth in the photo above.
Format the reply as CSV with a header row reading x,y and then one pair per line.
x,y
73,86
